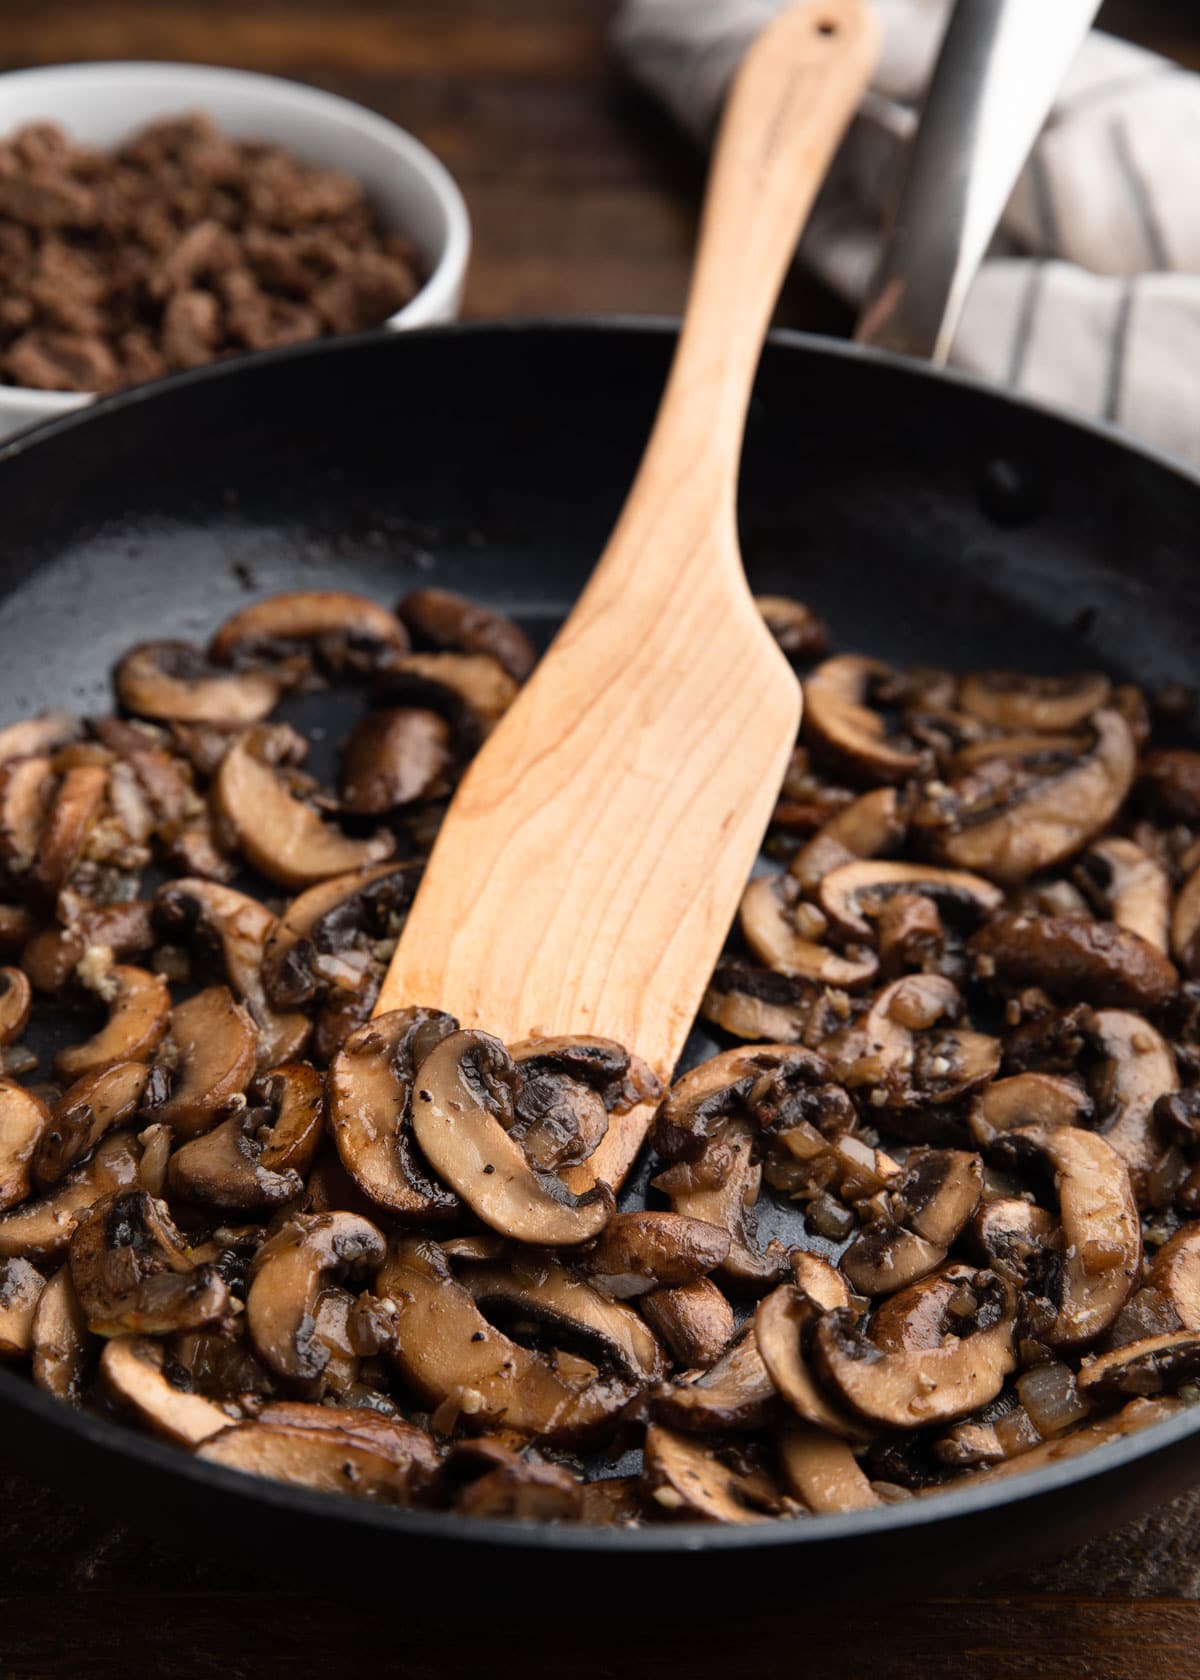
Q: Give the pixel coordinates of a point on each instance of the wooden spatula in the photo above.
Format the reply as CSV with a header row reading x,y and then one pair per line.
x,y
591,862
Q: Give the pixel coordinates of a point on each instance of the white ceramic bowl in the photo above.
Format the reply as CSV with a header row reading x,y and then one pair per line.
x,y
103,104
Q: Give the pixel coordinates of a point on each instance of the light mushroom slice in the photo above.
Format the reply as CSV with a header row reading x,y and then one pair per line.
x,y
23,1119
908,1387
1027,1099
91,1108
327,936
575,1315
1175,1270
16,999
370,1101
1152,1365
75,807
441,619
348,632
42,1228
173,681
644,1250
683,1478
1133,887
1185,925
291,1273
20,1288
60,1340
216,1047
284,839
770,915
26,789
463,1088
1080,960
822,1472
139,1010
570,1087
839,719
1048,820
39,736
257,1158
783,1328
693,1319
474,688
907,1050
134,1275
820,1280
1013,700
1102,1234
451,1356
332,1450
1135,1068
393,758
872,824
735,1393
854,892
239,929
721,1189
132,1370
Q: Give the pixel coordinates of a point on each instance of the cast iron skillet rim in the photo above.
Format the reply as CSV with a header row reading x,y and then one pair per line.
x,y
650,326
134,1449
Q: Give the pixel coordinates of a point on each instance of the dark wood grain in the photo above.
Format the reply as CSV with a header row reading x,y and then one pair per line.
x,y
583,199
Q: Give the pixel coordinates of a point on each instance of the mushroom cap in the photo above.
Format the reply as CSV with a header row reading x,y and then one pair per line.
x,y
1151,1365
822,1472
693,1319
133,1275
216,1043
444,620
333,1450
838,719
394,758
93,1106
644,1250
1080,960
1014,700
1175,1270
60,1340
1134,887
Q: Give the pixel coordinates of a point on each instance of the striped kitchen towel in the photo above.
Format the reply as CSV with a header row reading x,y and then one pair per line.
x,y
1090,296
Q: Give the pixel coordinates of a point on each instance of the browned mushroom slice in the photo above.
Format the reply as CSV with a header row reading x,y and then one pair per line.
x,y
139,1010
215,1050
488,1478
16,998
721,1188
838,718
1080,960
440,619
1185,926
1101,1230
544,1292
795,626
1008,1233
38,737
885,1257
42,1228
567,1087
687,1479
1132,888
758,1003
60,1340
772,913
944,1366
453,1357
937,1192
239,929
872,824
1154,1365
20,1288
134,1275
1027,1099
854,892
819,1280
23,1119
902,1054
822,1472
291,1274
640,1251
735,1393
330,1449
327,936
769,1084
1175,1271
464,1087
473,689
1014,700
1010,830
693,1319
26,788
174,681
257,1158
285,840
131,1368
370,1101
783,1327
347,632
393,758
75,807
94,1106
1135,1069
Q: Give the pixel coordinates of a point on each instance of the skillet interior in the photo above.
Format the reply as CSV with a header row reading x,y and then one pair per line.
x,y
928,519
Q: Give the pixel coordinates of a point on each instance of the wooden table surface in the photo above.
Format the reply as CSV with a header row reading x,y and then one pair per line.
x,y
583,200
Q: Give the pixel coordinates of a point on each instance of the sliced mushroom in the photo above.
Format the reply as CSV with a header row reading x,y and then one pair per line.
x,y
1027,1099
23,1119
452,1357
332,1450
465,1088
370,1113
822,1472
1154,1365
784,1326
1101,1230
327,936
139,1011
1082,961
684,1478
26,788
1185,926
16,998
796,627
292,1271
1135,1069
21,1286
1009,1233
40,736
851,894
133,1274
1008,832
721,1189
902,1054
488,1478
567,1089
132,1370
945,1375
174,681
768,1084
735,1393
771,912
1137,1415
75,807
240,930
1132,888
641,1251
884,1257
42,1228
91,1108
937,1192
60,1340
393,758
346,632
472,689
819,1280
693,1319
256,1158
1175,1271
1169,780
216,1047
838,718
1014,700
441,619
759,1003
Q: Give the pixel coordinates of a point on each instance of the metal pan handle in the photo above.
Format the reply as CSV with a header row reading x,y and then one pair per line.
x,y
1000,65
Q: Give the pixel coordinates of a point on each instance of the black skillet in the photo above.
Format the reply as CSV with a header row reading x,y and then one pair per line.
x,y
928,518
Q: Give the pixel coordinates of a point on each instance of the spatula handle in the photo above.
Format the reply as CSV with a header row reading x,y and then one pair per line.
x,y
791,102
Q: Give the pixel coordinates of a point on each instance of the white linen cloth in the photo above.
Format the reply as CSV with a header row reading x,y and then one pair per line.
x,y
1090,297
